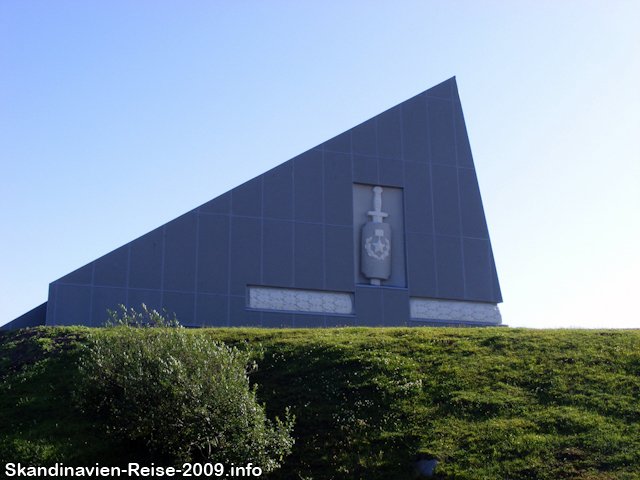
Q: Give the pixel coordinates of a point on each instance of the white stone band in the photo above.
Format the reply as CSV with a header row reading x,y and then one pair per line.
x,y
310,301
432,309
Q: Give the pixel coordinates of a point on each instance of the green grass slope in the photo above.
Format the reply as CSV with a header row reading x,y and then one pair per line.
x,y
486,403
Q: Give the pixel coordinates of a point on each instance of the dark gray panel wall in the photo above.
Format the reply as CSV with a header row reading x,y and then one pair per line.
x,y
415,130
111,270
145,261
442,138
81,276
388,133
212,310
369,307
418,197
308,187
450,267
477,268
293,226
104,299
246,200
365,170
390,172
33,318
277,320
278,192
395,307
363,139
180,251
73,305
339,258
308,255
213,253
446,200
337,189
422,271
277,253
245,266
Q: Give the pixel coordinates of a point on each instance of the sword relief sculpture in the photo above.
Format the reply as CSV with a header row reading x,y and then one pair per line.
x,y
376,243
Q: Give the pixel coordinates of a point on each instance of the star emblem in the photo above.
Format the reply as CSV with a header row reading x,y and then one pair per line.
x,y
379,246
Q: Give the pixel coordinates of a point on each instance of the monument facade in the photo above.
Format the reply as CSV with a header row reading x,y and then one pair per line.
x,y
382,225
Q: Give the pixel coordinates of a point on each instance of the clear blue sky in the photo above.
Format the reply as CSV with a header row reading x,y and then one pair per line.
x,y
118,116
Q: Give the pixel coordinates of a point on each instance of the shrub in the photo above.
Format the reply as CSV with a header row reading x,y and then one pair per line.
x,y
185,396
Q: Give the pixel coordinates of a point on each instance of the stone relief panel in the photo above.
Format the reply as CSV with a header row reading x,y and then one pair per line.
x,y
375,263
379,259
310,301
432,309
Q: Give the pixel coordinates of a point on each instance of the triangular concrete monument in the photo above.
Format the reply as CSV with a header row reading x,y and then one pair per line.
x,y
382,225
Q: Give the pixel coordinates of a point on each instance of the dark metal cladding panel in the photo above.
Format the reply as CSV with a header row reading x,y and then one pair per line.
x,y
463,148
278,192
73,305
277,320
477,269
33,318
81,276
369,308
339,258
341,143
415,129
390,172
471,211
151,298
180,253
308,321
51,304
442,90
417,198
365,170
497,294
145,261
337,321
454,88
182,305
446,204
308,260
212,310
220,205
246,240
277,253
246,199
213,254
363,139
106,298
421,265
395,304
111,269
449,267
338,187
308,187
239,316
442,146
389,133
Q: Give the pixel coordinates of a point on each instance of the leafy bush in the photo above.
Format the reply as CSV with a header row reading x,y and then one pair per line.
x,y
185,396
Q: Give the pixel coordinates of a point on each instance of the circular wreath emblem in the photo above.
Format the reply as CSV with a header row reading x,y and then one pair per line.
x,y
378,250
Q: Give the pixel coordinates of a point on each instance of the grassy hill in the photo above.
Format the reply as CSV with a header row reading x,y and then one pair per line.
x,y
490,403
